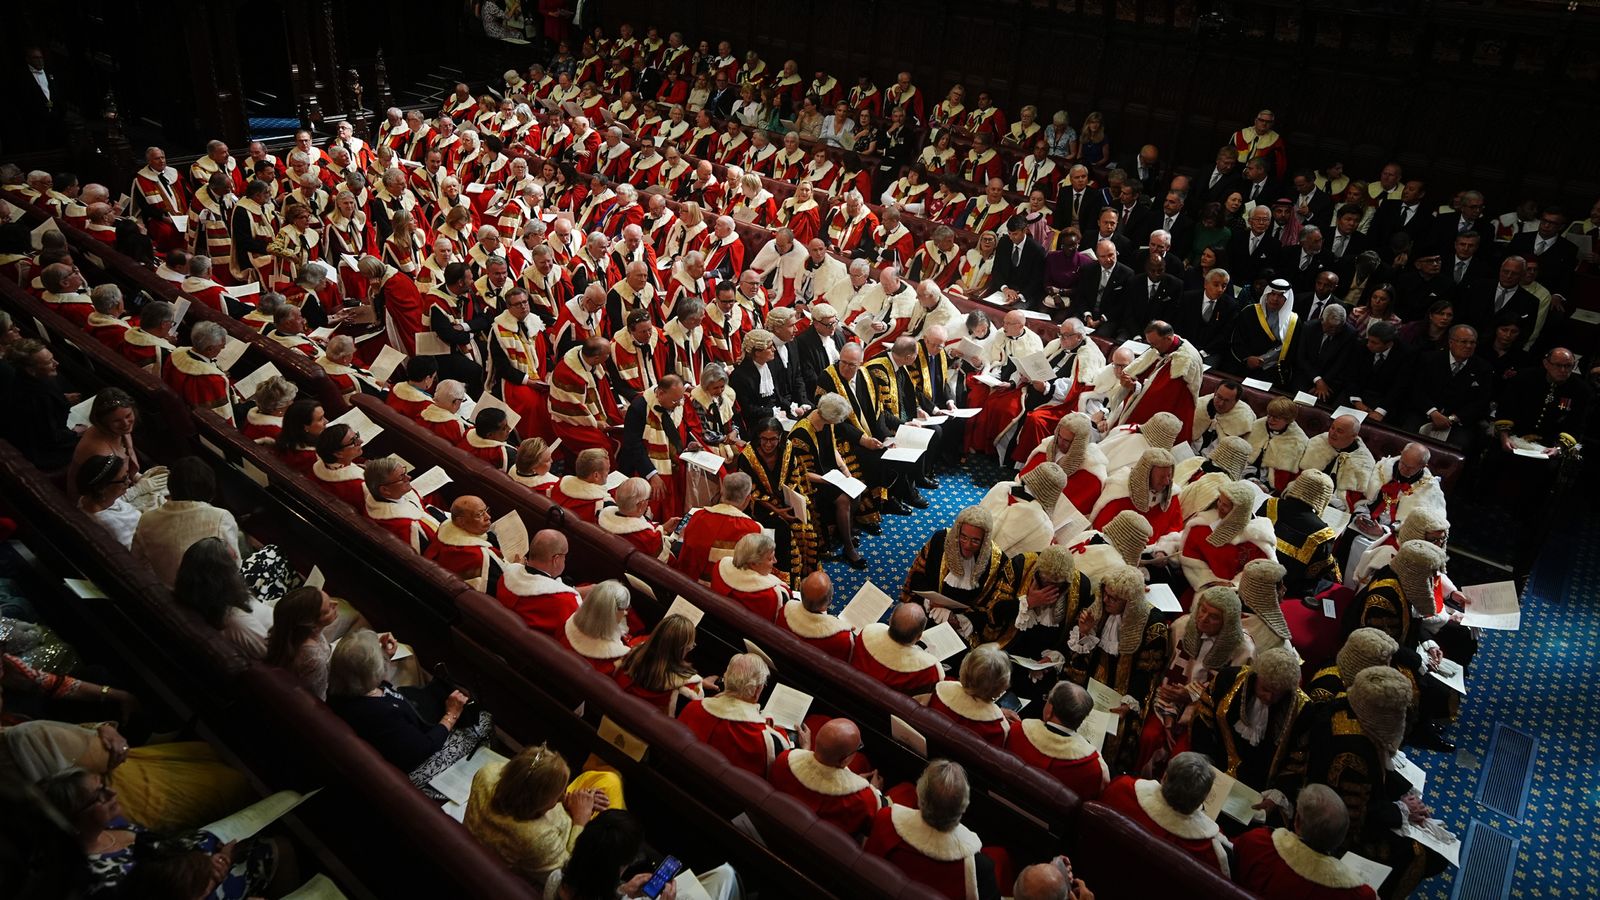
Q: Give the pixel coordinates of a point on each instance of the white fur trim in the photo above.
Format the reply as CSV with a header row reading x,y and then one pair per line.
x,y
410,393
963,704
578,489
616,523
1283,450
732,709
1355,474
1069,747
1317,868
893,656
943,846
592,647
436,413
745,580
807,624
821,779
518,580
346,472
450,533
482,443
1193,827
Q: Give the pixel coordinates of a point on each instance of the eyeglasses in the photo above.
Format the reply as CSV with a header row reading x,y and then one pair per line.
x,y
354,441
404,477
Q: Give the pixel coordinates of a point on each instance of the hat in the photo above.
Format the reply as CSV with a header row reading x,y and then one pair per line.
x,y
1258,590
1280,284
1129,533
1312,487
1045,482
1283,408
1380,697
1161,430
1363,649
1283,201
1231,454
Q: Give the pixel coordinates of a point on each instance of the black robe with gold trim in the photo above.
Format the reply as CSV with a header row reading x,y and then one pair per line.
x,y
994,600
1034,641
1383,605
1305,545
1218,711
1134,675
815,452
797,542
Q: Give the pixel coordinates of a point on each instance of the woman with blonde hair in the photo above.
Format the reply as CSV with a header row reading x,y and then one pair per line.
x,y
658,669
532,468
527,813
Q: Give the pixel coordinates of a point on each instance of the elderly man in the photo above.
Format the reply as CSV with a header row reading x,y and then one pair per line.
x,y
657,430
1342,456
1304,861
1374,377
928,843
1264,333
1146,488
848,228
1076,362
1327,356
1305,542
465,547
1402,484
161,199
582,405
338,361
889,653
64,293
147,344
1276,444
1543,408
1052,742
880,313
392,503
1451,391
997,388
731,721
442,415
1171,809
628,520
937,260
533,588
1246,714
975,583
781,262
714,531
807,618
583,493
821,778
193,372
105,323
1166,378
1098,293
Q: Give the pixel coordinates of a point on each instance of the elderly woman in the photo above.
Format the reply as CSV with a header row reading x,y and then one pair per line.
x,y
629,520
209,582
525,811
303,423
714,402
1120,641
336,469
777,479
750,576
760,386
821,443
985,678
1061,136
264,422
101,483
598,631
443,415
1204,641
1217,542
532,466
88,803
658,670
384,718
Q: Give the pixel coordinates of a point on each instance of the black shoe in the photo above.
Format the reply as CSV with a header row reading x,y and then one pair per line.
x,y
1431,737
927,481
828,555
916,501
873,530
894,507
859,563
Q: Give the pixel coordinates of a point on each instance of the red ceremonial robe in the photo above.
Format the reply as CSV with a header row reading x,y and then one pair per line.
x,y
582,405
464,555
543,603
736,728
406,519
496,453
1276,863
909,670
603,655
836,795
762,594
982,719
711,535
1062,753
1169,382
409,400
443,423
1194,834
636,530
943,860
75,307
198,381
583,499
343,480
827,633
108,330
261,428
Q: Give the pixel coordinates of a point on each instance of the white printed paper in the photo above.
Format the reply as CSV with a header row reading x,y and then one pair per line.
x,y
85,588
247,385
360,424
231,353
1494,606
1162,598
79,414
430,344
511,533
241,291
248,822
786,707
902,731
866,607
1305,398
1350,411
388,363
682,607
1373,874
456,781
935,598
622,739
852,487
490,401
943,642
430,481
702,459
1258,384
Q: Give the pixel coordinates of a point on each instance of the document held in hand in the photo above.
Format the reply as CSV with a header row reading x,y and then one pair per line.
x,y
248,822
512,535
866,607
1494,606
910,442
786,707
852,487
942,641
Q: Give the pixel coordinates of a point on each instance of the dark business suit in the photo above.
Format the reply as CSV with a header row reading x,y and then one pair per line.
x,y
1289,266
1264,195
1136,223
1145,301
1378,383
813,358
1090,296
1024,274
1323,356
1321,206
1208,335
1464,394
1089,202
1215,193
1392,217
1244,263
1447,227
1479,310
1555,264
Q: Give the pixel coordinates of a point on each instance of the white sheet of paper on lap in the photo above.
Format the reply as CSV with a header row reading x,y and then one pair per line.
x,y
360,424
992,381
702,459
998,298
688,886
1258,384
1162,598
1494,606
180,308
349,261
901,730
942,641
1105,696
1137,348
935,598
321,335
1350,411
475,188
1586,316
1436,838
1036,367
1529,453
682,607
430,344
967,347
1336,518
248,384
962,413
430,481
797,504
511,533
1372,874
241,291
467,409
85,588
909,436
1451,674
79,414
232,351
640,586
248,822
614,481
1414,774
1305,399
1329,609
866,607
1231,797
1096,725
931,421
388,362
456,781
852,487
1035,314
1033,665
490,401
787,707
321,887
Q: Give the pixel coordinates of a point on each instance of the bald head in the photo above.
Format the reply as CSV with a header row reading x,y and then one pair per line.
x,y
547,551
1042,881
907,622
470,514
836,742
816,592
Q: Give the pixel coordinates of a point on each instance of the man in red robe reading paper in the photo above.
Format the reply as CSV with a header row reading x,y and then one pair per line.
x,y
395,505
732,723
463,545
888,653
822,779
1053,743
1165,378
533,588
807,618
713,531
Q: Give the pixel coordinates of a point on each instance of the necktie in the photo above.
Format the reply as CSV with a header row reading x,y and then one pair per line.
x,y
1463,226
1016,256
1544,244
1215,177
1316,308
1255,190
1406,214
1205,309
1461,270
1077,200
1166,223
1377,359
1338,245
1455,366
1305,260
1500,298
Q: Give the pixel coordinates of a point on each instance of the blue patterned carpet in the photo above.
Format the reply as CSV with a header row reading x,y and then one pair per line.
x,y
1543,680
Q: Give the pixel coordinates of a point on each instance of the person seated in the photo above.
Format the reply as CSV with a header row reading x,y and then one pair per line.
x,y
1031,513
1052,742
929,844
384,718
1305,540
732,722
112,418
530,812
486,439
962,564
1363,649
1229,458
1172,809
442,415
749,577
1261,590
1400,485
1304,860
102,482
1123,541
1343,456
714,531
1121,641
106,323
821,778
1262,337
264,421
298,642
166,533
1080,459
613,843
147,344
1221,414
807,618
303,423
209,582
338,469
1202,642
629,519
395,505
825,441
888,652
658,670
1246,714
38,407
1218,542
415,394
533,589
985,677
1422,525
1146,489
782,495
598,630
1123,445
464,547
584,493
532,467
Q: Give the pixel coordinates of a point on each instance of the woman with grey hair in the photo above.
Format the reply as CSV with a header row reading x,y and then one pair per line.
x,y
629,519
713,400
421,744
750,576
821,443
264,422
598,631
929,843
985,677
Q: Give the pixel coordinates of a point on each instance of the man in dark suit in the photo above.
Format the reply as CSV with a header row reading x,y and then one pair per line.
x,y
1311,203
1205,316
722,98
817,348
1258,186
1177,223
1464,265
1451,389
1409,214
1145,167
37,99
1303,263
1488,303
1325,351
1468,217
1308,305
1375,377
1075,203
1135,217
1222,180
1019,264
1160,247
1106,230
1253,248
1156,295
1557,256
1097,291
1420,286
1346,242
